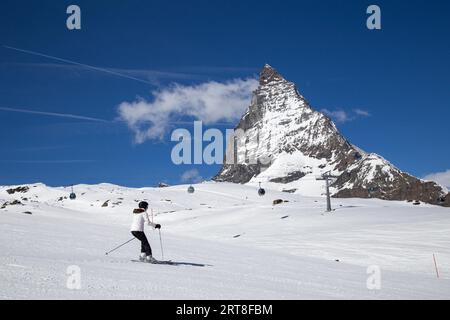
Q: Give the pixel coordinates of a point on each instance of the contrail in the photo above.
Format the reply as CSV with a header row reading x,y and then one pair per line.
x,y
208,124
54,114
74,116
47,161
77,64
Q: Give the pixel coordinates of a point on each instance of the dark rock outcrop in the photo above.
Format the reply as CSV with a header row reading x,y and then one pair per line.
x,y
292,176
162,185
23,189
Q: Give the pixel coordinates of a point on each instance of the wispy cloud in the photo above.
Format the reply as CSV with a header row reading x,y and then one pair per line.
x,y
362,113
342,116
54,114
153,77
218,69
105,70
38,148
209,102
337,115
443,178
192,176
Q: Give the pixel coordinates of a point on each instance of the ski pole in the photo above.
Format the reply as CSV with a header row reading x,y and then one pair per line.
x,y
160,241
119,246
436,266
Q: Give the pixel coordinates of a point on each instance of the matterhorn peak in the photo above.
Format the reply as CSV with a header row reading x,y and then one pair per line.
x,y
269,74
288,143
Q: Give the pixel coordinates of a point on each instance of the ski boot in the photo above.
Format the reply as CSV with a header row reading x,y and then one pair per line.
x,y
142,257
150,259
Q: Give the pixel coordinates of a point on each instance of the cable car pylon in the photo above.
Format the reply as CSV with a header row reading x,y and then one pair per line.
x,y
327,177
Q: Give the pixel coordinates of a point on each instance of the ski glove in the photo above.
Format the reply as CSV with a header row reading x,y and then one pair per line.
x,y
158,226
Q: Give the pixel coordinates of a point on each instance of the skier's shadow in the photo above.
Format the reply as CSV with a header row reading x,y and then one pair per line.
x,y
346,207
179,263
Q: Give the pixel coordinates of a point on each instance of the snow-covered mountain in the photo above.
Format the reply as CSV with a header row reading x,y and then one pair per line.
x,y
284,140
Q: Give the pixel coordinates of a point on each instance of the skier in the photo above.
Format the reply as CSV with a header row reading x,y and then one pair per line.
x,y
140,216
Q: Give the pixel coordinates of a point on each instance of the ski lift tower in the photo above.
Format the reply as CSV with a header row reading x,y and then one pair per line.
x,y
327,177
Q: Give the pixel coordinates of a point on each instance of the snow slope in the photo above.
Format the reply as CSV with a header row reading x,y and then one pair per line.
x,y
230,243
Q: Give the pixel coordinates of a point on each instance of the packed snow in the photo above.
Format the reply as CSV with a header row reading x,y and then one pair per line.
x,y
286,163
227,242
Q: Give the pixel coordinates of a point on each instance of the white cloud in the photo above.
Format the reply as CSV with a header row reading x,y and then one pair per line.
x,y
362,113
209,102
337,115
443,178
191,176
341,116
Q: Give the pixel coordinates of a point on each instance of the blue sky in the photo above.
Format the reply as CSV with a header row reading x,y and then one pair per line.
x,y
399,75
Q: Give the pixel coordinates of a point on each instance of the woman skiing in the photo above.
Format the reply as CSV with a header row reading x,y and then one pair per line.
x,y
140,216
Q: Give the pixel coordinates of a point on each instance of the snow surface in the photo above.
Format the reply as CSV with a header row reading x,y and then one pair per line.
x,y
286,163
250,248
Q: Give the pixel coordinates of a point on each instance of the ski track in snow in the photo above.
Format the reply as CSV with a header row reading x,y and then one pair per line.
x,y
249,248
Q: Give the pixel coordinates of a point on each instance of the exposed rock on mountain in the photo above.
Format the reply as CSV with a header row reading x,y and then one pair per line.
x,y
18,189
375,177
